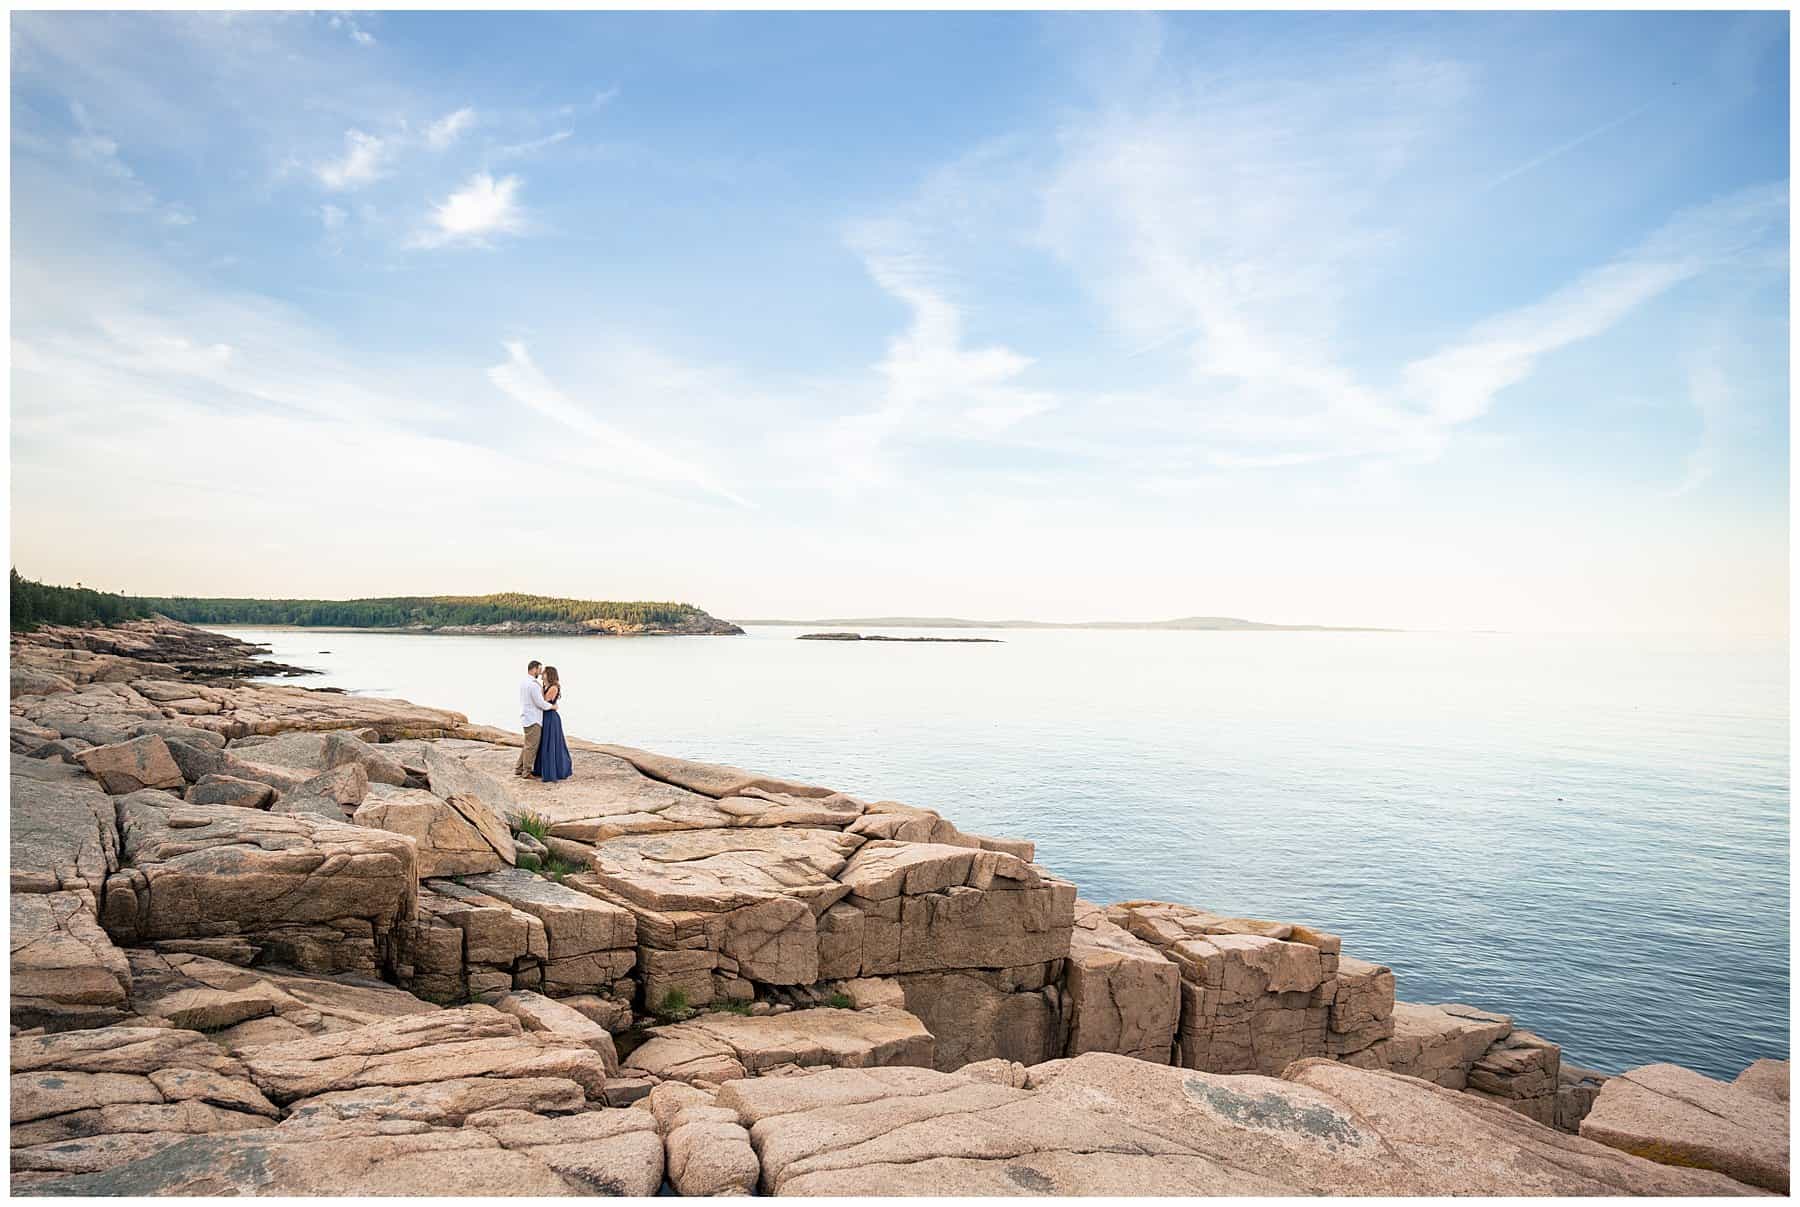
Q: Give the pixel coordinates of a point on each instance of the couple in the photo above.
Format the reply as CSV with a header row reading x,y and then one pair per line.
x,y
546,753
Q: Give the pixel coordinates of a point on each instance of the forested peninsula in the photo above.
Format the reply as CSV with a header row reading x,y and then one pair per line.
x,y
35,604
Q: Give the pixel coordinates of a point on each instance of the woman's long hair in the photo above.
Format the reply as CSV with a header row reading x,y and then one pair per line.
x,y
550,678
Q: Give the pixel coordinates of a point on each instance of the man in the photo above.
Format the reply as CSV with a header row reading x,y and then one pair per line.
x,y
531,716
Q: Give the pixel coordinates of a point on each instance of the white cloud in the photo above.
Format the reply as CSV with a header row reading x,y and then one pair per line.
x,y
483,207
98,153
362,161
331,217
610,451
536,144
358,34
1459,383
447,129
929,383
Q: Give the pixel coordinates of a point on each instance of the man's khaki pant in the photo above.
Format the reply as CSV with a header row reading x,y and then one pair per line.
x,y
528,753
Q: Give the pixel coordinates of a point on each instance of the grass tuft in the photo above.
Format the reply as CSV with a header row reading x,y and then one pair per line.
x,y
731,1007
840,1001
534,824
674,1005
528,862
556,868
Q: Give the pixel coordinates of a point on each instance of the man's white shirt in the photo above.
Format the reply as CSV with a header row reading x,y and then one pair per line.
x,y
531,702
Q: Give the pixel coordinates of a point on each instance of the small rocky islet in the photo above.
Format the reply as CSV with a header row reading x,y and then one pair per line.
x,y
271,940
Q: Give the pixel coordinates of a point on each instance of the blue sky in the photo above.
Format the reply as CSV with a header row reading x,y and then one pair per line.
x,y
1466,321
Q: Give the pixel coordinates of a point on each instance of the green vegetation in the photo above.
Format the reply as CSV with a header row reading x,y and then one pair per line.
x,y
430,611
35,604
840,1001
674,1005
552,868
730,1007
533,824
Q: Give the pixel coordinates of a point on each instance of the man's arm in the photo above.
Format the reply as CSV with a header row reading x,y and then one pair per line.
x,y
537,695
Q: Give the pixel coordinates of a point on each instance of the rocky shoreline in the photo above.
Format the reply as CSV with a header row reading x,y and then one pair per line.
x,y
269,940
881,637
697,626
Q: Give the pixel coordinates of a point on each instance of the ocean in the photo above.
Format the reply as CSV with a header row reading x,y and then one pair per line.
x,y
1589,834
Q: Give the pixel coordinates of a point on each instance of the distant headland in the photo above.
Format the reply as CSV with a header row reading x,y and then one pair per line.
x,y
35,604
1183,624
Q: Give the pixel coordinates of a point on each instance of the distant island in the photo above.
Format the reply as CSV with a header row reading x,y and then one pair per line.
x,y
35,604
878,637
1185,624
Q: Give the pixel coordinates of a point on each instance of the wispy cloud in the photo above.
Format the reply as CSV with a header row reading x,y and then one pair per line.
x,y
482,208
98,153
348,23
610,450
1459,383
512,150
1563,148
443,132
363,160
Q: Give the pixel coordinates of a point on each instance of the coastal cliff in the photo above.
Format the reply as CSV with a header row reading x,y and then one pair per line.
x,y
268,940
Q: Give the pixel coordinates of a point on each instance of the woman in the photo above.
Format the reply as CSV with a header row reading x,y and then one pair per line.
x,y
553,762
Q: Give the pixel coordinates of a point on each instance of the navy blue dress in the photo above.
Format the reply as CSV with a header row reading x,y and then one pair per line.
x,y
553,762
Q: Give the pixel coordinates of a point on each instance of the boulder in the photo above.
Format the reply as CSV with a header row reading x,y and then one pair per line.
x,y
448,845
483,800
1766,1077
65,972
1666,1113
200,761
883,869
214,789
246,1008
1255,995
539,1013
1011,923
1362,1007
1576,1089
1439,1043
1011,1014
64,836
443,1045
606,798
708,1150
1110,1125
1521,1071
85,1101
129,766
27,737
590,943
752,896
319,752
1120,994
449,1101
323,895
709,779
29,682
610,1152
717,1047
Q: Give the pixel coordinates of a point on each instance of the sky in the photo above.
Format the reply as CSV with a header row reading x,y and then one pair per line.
x,y
1467,321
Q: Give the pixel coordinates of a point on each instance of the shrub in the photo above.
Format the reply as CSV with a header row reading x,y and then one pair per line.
x,y
840,1001
674,1004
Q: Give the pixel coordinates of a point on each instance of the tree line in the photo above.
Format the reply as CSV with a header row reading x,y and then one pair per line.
x,y
34,604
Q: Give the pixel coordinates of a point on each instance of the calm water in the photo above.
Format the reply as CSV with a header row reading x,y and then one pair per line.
x,y
1588,834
